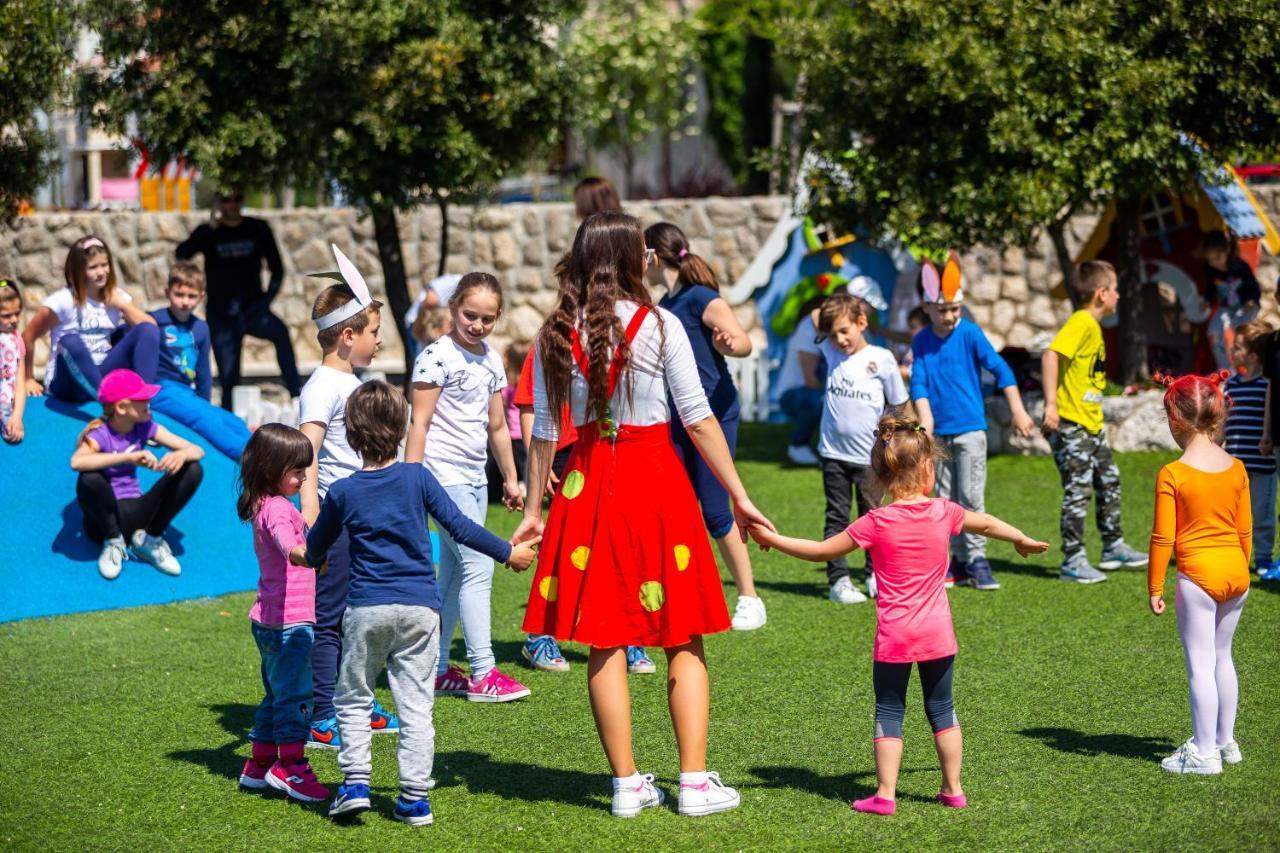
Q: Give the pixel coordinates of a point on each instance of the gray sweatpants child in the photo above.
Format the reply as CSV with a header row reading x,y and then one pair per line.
x,y
963,479
406,639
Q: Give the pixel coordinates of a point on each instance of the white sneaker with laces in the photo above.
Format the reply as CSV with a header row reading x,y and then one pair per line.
x,y
800,454
1186,760
1230,753
749,614
844,592
707,798
154,550
629,802
111,559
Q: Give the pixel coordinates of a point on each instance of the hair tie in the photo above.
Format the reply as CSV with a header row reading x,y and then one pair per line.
x,y
683,252
4,282
1220,377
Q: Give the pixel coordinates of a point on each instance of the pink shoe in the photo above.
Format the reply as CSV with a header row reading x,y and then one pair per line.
x,y
254,774
496,687
875,804
952,801
454,682
298,781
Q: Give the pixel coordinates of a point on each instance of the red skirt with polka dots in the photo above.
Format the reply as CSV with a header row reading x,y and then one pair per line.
x,y
625,559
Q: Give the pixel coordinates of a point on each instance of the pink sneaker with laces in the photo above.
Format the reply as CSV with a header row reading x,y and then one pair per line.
x,y
496,687
298,781
453,682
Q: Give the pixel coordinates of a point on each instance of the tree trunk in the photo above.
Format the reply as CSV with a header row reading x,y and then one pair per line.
x,y
387,233
1058,233
443,204
1133,341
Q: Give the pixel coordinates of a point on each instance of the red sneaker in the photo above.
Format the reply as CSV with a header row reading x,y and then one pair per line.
x,y
254,775
298,781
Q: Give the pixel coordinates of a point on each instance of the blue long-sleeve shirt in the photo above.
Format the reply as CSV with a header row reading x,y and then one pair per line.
x,y
184,352
947,373
385,514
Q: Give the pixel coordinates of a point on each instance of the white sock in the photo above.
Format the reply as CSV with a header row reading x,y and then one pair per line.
x,y
696,778
627,783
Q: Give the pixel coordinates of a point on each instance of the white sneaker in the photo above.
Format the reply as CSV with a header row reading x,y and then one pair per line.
x,y
749,614
1230,753
154,550
800,454
630,802
1186,760
111,559
873,589
708,798
844,592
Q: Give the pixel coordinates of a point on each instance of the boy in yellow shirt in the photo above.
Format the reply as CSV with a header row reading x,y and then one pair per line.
x,y
1074,373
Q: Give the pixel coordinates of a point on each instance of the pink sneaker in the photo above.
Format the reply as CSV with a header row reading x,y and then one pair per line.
x,y
496,687
875,804
254,775
952,801
298,781
454,682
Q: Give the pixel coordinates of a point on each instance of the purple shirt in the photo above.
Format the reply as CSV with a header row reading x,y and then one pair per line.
x,y
286,593
122,477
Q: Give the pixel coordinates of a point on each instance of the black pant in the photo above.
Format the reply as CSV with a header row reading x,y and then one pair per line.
x,y
890,683
106,517
226,337
840,481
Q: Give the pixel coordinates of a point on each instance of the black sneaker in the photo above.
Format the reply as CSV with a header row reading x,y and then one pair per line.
x,y
980,576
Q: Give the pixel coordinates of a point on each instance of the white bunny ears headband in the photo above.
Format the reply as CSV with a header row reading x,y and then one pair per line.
x,y
350,276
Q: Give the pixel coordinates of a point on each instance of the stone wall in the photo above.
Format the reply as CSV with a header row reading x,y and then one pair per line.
x,y
1136,422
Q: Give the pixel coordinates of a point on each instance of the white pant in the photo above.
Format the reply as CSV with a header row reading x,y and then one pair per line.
x,y
1206,627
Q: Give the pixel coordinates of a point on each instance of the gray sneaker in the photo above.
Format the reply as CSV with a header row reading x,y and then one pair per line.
x,y
1119,555
1078,570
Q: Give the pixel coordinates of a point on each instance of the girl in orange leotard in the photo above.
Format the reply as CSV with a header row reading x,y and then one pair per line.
x,y
1203,517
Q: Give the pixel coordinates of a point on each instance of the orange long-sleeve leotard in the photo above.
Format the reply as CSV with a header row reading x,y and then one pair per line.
x,y
1204,518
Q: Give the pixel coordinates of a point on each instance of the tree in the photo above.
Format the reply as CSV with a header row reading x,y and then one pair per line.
x,y
35,50
396,103
988,120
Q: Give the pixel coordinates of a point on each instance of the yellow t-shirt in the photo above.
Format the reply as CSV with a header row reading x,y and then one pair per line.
x,y
1081,380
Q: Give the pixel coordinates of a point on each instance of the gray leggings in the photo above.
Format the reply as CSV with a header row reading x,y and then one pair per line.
x,y
890,682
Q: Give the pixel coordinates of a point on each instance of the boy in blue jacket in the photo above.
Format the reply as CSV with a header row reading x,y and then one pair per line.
x,y
946,387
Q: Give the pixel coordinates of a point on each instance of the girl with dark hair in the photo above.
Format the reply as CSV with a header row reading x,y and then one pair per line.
x,y
693,296
625,560
1231,287
593,195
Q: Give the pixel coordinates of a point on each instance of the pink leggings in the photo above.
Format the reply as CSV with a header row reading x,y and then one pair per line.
x,y
1206,627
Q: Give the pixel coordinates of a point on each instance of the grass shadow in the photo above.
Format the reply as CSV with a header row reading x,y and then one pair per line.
x,y
510,780
1122,745
845,787
72,542
762,442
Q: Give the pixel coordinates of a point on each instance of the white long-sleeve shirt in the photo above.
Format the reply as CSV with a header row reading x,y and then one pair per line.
x,y
653,369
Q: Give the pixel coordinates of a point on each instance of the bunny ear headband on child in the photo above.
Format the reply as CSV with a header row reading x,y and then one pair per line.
x,y
350,276
945,289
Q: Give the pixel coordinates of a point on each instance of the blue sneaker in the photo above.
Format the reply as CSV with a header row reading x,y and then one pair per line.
x,y
324,733
383,721
350,800
543,652
413,812
980,576
639,662
1272,574
957,571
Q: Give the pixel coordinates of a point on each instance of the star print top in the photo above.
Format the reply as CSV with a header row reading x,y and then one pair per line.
x,y
459,431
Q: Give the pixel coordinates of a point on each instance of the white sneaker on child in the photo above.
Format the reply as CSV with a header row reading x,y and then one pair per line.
x,y
630,799
749,614
844,592
707,797
1230,753
154,550
111,559
1186,760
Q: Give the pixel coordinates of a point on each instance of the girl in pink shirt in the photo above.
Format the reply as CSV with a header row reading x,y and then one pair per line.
x,y
908,541
283,616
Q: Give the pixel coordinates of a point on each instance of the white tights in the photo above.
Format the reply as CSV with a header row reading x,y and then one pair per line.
x,y
1206,627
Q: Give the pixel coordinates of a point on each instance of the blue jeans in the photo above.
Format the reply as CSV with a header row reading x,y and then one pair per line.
x,y
803,407
77,378
465,579
1262,499
284,715
217,426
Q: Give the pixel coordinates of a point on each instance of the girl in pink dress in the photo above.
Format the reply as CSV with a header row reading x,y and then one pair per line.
x,y
908,541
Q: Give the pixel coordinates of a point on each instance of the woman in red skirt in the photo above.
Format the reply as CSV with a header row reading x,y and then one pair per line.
x,y
625,559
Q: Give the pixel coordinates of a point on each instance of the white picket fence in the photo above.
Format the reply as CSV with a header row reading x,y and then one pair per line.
x,y
751,375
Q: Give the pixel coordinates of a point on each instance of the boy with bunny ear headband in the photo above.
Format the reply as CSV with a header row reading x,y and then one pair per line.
x,y
948,357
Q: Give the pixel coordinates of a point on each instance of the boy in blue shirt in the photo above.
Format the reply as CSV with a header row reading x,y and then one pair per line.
x,y
948,356
186,379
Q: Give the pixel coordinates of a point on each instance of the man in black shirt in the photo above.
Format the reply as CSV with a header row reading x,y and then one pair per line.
x,y
234,247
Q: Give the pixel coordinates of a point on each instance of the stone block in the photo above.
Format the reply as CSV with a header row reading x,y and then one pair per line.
x,y
505,255
458,264
1144,427
544,302
769,209
1020,335
748,245
31,237
1013,260
529,281
535,252
983,288
697,224
313,257
1014,288
1040,313
460,240
980,314
726,213
560,229
522,323
171,228
532,222
494,219
482,250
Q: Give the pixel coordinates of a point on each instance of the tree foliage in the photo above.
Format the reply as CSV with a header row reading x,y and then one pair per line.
x,y
35,50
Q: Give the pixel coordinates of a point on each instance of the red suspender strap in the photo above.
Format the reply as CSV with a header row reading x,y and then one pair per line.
x,y
615,368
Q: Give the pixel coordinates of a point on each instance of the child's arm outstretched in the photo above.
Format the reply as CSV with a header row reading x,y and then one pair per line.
x,y
805,549
440,506
993,528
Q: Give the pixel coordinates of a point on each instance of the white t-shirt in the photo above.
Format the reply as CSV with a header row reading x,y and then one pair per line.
x,y
859,387
93,321
442,286
324,401
803,339
459,432
653,370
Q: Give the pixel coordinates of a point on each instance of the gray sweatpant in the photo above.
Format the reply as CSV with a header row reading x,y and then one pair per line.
x,y
406,639
963,479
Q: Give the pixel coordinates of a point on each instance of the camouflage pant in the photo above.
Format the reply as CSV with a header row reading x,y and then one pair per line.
x,y
1086,466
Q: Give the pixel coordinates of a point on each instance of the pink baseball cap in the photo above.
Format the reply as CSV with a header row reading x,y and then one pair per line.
x,y
124,385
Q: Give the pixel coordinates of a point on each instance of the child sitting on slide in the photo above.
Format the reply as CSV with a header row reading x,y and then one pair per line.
x,y
186,379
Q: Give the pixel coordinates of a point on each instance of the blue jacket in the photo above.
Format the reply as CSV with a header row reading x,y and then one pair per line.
x,y
184,352
947,373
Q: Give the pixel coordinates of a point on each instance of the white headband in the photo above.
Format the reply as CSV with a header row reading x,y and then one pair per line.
x,y
350,276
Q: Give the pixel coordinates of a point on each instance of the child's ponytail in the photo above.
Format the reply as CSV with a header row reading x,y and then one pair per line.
x,y
672,248
900,454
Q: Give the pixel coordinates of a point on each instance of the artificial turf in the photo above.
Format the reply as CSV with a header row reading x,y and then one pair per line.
x,y
127,728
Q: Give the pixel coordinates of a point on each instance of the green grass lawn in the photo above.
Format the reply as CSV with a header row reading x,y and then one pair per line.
x,y
127,729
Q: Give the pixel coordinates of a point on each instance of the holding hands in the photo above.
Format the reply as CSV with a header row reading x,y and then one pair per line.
x,y
523,553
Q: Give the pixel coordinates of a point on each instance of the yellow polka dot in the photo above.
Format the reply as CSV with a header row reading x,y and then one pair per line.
x,y
652,596
579,557
682,557
573,483
547,588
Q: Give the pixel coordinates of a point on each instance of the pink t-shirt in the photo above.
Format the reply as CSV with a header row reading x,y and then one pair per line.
x,y
286,593
909,545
